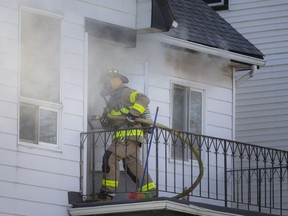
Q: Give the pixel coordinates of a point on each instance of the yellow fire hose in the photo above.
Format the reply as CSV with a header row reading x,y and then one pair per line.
x,y
180,136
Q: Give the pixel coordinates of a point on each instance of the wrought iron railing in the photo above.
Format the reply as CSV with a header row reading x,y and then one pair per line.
x,y
236,175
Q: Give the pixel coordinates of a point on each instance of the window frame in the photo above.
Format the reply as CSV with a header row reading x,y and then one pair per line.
x,y
42,105
190,87
217,6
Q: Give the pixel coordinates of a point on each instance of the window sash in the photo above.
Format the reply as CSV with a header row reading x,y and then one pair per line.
x,y
183,119
40,105
32,125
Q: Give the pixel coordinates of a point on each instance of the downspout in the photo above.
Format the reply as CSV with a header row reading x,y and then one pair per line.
x,y
233,102
247,76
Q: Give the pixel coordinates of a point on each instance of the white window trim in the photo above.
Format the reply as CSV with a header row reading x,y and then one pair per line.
x,y
57,107
217,3
39,11
44,106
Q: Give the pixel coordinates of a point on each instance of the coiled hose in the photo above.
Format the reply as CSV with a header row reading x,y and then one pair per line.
x,y
181,137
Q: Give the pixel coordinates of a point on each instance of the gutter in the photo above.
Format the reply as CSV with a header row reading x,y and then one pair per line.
x,y
247,76
210,50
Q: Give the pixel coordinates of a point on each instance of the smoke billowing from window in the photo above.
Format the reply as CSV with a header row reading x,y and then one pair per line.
x,y
40,56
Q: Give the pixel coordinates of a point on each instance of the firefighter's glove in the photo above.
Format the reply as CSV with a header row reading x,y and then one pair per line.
x,y
147,128
130,119
91,119
105,122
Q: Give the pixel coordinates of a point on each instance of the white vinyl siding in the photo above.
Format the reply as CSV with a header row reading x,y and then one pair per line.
x,y
35,181
189,70
262,102
166,66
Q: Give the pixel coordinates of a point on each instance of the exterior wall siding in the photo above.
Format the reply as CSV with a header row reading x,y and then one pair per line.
x,y
9,101
262,102
35,181
165,67
196,72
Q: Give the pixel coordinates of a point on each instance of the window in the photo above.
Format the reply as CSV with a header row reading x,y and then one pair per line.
x,y
40,78
187,115
218,4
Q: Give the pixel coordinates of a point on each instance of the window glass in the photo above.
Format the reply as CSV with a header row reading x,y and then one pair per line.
x,y
214,1
40,56
179,108
195,112
179,120
37,125
28,123
48,126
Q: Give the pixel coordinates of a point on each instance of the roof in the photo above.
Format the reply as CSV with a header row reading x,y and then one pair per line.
x,y
199,23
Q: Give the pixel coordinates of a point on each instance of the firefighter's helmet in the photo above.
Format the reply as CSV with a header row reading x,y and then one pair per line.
x,y
111,73
107,77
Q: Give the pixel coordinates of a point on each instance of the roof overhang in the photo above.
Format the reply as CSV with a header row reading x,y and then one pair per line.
x,y
154,16
248,60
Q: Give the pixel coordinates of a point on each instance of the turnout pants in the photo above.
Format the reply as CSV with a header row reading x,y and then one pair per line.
x,y
129,152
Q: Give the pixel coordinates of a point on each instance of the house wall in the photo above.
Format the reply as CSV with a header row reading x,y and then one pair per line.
x,y
34,180
161,67
262,102
200,72
196,70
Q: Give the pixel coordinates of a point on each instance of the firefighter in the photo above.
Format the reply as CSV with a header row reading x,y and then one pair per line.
x,y
128,135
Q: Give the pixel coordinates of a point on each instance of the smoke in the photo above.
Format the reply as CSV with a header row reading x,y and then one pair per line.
x,y
164,60
40,56
183,63
105,55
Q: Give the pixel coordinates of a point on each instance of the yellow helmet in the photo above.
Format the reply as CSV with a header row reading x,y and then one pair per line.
x,y
111,73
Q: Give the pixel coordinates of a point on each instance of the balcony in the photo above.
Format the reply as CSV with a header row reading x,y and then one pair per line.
x,y
237,177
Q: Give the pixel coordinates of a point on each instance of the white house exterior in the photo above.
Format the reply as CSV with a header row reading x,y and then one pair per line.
x,y
39,166
261,101
261,105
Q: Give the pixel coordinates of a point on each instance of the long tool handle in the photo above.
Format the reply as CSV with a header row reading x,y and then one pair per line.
x,y
149,147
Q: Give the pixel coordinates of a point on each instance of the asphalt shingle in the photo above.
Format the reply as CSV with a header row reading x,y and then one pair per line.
x,y
199,23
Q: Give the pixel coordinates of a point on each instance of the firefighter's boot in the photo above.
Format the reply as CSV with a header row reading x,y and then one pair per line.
x,y
103,196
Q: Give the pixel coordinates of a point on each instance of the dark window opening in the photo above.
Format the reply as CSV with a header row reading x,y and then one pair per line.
x,y
218,4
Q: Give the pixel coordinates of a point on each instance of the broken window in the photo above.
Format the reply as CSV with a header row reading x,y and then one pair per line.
x,y
39,78
187,116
